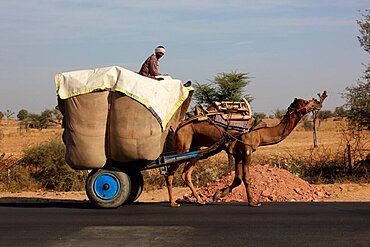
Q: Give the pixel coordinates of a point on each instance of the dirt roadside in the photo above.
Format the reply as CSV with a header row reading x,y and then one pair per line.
x,y
270,184
348,192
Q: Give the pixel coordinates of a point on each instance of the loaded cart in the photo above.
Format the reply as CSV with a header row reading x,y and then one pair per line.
x,y
116,124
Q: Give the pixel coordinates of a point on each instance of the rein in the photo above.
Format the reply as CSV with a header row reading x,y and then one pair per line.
x,y
297,111
230,137
300,113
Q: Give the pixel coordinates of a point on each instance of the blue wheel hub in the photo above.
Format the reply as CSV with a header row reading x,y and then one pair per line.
x,y
106,186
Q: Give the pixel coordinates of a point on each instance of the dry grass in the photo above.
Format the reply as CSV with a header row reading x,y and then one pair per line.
x,y
292,153
14,140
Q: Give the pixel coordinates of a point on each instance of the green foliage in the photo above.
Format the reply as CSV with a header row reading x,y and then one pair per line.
x,y
325,114
307,124
22,114
279,113
16,179
34,120
8,114
57,114
39,121
358,104
45,116
206,171
259,115
47,166
358,96
205,93
210,170
224,87
322,166
364,25
340,112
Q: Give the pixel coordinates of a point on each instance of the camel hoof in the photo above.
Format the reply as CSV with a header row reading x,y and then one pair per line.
x,y
254,204
217,196
175,205
201,202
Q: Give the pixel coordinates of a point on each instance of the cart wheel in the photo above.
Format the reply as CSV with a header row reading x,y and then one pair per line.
x,y
137,185
108,188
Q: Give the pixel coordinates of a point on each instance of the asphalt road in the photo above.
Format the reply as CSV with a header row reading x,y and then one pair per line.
x,y
156,224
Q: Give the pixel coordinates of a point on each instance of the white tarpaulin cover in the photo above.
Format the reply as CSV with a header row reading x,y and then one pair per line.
x,y
163,97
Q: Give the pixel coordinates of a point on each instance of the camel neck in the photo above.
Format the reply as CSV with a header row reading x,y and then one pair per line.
x,y
273,135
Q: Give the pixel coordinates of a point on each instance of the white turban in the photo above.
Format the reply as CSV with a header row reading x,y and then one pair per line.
x,y
160,49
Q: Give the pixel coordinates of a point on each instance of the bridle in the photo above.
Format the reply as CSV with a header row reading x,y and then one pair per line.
x,y
300,111
228,137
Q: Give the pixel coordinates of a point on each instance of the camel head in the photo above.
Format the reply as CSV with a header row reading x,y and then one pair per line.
x,y
302,106
318,103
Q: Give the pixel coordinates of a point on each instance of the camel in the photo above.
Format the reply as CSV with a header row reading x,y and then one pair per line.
x,y
191,134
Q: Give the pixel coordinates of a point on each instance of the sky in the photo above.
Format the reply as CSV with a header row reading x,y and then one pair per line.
x,y
289,48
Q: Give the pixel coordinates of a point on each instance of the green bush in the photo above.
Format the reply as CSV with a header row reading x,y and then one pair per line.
x,y
259,115
47,167
16,179
307,124
205,171
321,166
224,87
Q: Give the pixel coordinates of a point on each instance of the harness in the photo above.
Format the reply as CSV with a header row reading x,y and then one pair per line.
x,y
297,111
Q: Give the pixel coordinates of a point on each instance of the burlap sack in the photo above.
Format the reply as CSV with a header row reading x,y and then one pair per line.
x,y
110,125
134,133
85,121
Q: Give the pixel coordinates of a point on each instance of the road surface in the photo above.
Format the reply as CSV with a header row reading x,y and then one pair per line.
x,y
156,224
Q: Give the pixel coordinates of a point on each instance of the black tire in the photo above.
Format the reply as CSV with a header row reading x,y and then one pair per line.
x,y
108,187
137,186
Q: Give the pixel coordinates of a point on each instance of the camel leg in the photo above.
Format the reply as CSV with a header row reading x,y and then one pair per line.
x,y
181,144
247,177
186,176
231,161
169,179
236,182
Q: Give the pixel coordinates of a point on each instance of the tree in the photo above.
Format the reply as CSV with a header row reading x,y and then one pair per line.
x,y
224,87
39,121
44,118
33,121
364,24
259,115
22,114
8,114
57,115
358,104
358,96
279,113
340,112
324,114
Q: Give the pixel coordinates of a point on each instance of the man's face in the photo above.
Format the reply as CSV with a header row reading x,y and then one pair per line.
x,y
159,55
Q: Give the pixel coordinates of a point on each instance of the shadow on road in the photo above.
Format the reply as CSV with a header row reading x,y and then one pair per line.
x,y
27,202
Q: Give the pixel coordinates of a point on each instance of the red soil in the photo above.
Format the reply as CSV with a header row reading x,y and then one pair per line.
x,y
268,184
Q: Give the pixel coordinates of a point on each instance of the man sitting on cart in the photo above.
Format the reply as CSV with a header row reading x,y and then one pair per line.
x,y
150,66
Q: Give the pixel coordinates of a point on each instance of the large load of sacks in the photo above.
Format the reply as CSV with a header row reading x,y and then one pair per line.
x,y
115,114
